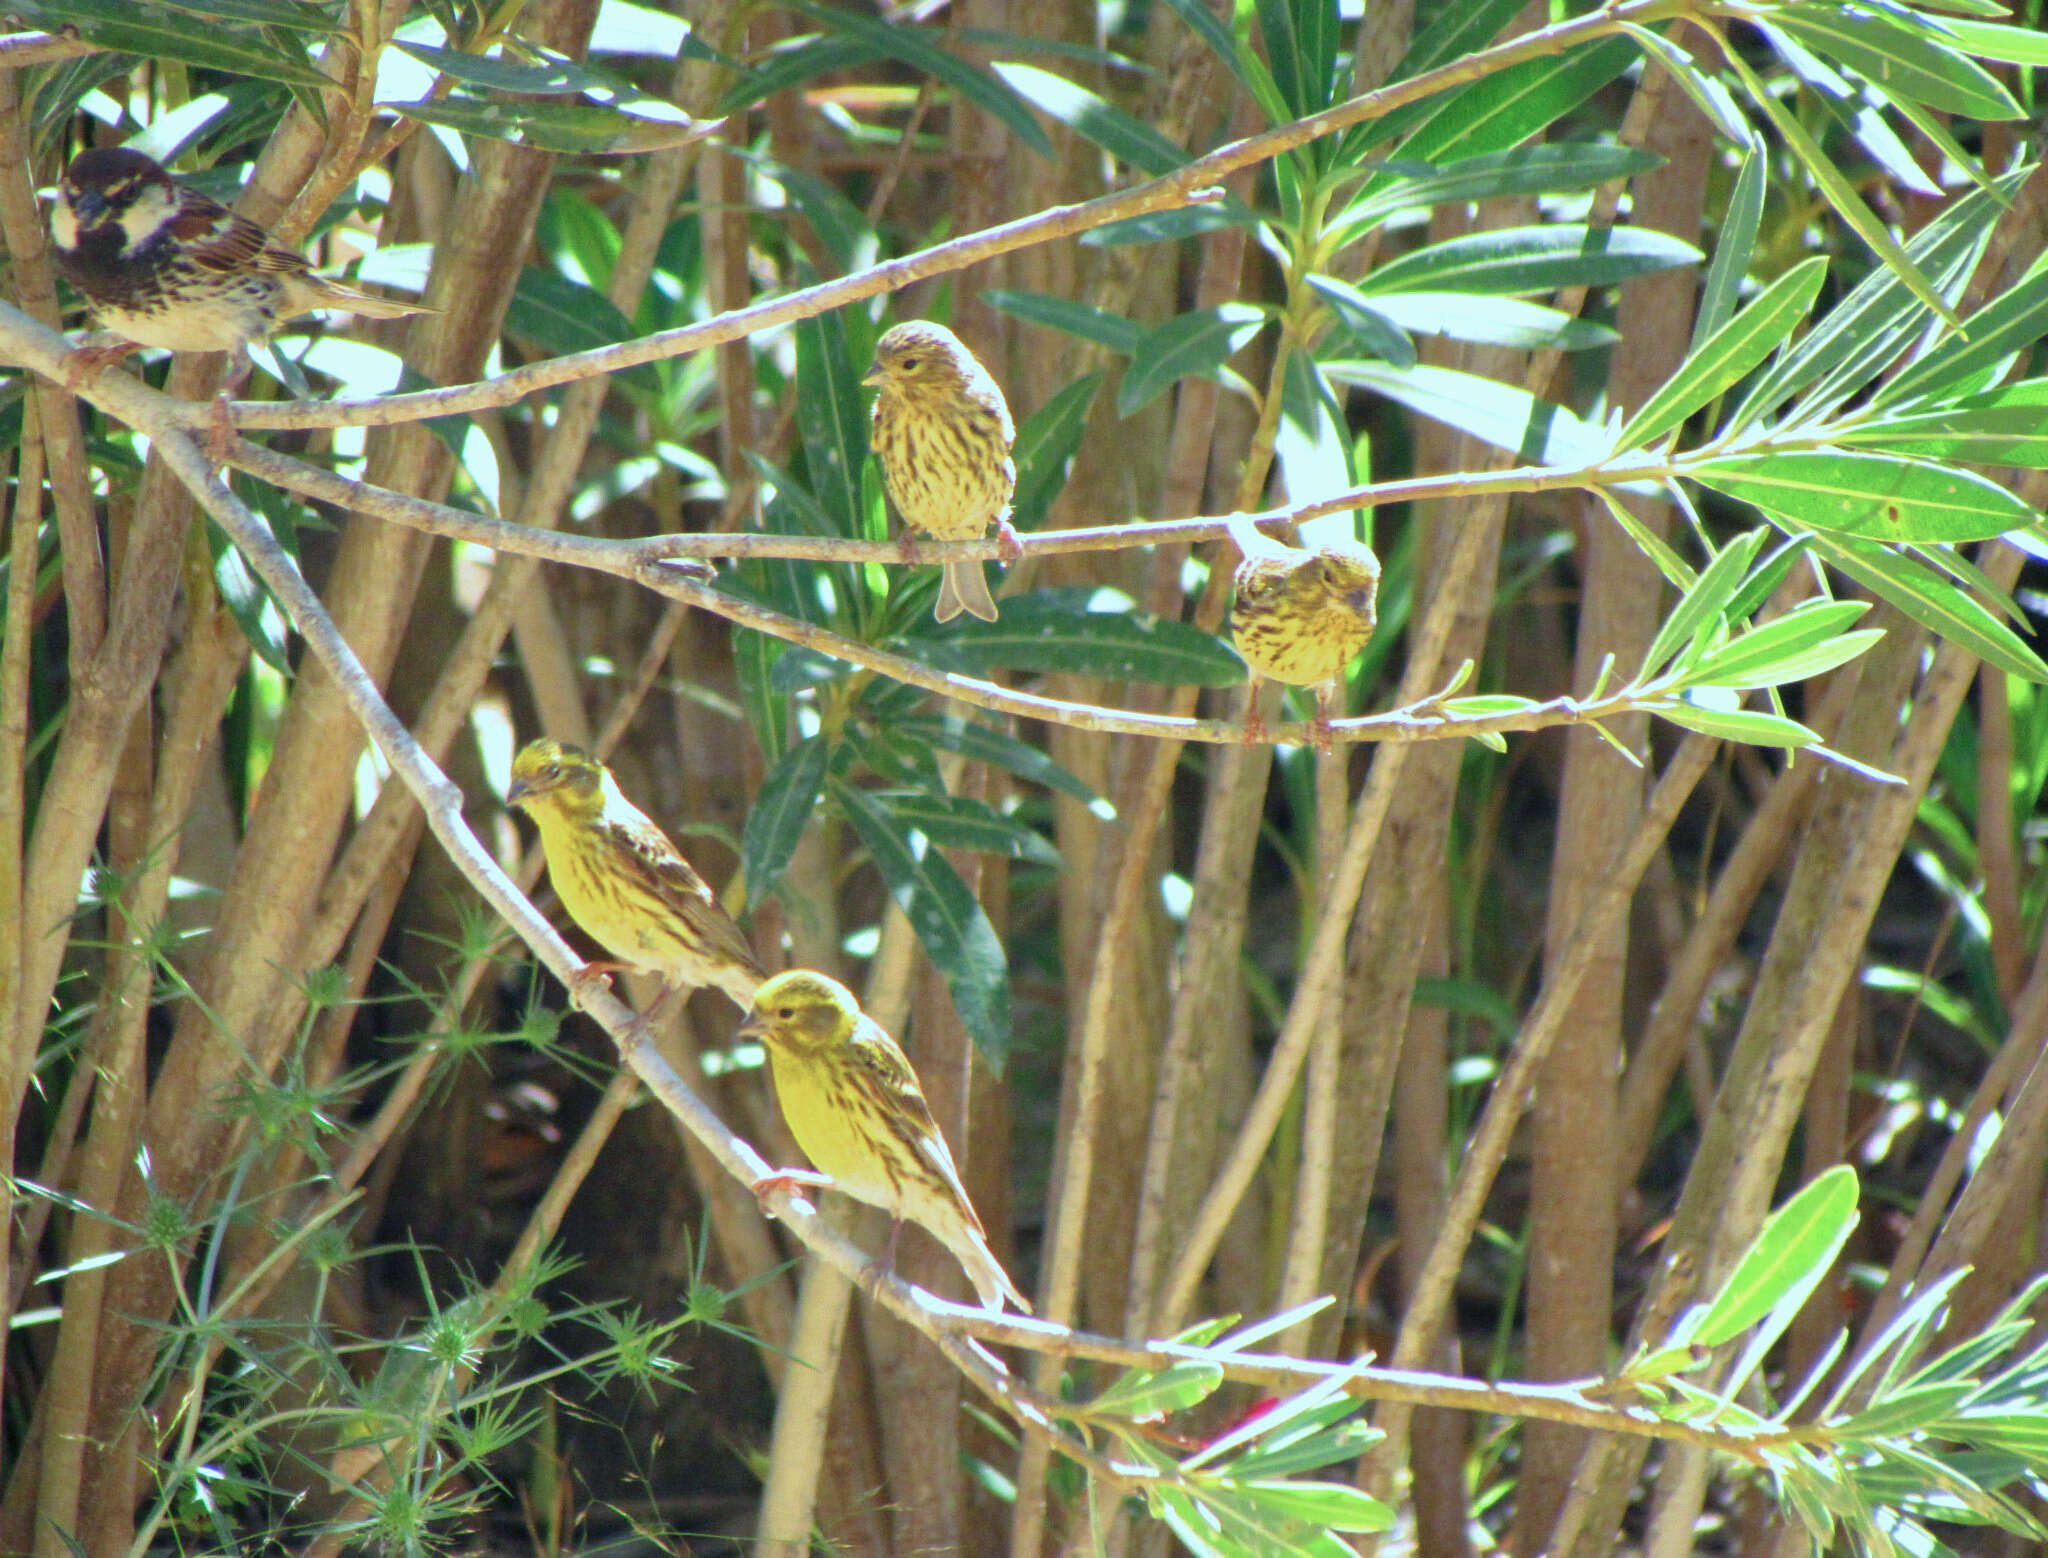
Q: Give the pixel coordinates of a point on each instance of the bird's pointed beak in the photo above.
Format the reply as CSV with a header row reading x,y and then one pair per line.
x,y
518,792
873,377
1361,600
750,1026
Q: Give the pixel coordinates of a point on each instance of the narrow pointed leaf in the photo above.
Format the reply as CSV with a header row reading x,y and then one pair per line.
x,y
781,812
1933,602
1797,1245
948,921
1198,342
1715,366
1886,497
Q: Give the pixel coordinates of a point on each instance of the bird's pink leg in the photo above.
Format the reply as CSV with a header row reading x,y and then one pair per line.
x,y
1324,700
220,427
1254,724
1006,539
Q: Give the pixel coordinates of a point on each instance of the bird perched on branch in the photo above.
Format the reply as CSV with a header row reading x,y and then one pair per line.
x,y
163,265
853,1104
623,881
1301,614
942,432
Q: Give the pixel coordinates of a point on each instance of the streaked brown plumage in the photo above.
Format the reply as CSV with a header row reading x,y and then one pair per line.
x,y
942,433
623,881
164,265
1301,614
853,1104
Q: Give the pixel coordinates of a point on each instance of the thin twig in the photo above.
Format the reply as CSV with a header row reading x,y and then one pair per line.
x,y
1188,185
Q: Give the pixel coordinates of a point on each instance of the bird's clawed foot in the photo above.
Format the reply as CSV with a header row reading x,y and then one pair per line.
x,y
86,362
589,977
786,1179
1009,547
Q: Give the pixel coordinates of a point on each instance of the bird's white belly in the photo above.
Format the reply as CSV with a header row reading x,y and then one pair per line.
x,y
223,323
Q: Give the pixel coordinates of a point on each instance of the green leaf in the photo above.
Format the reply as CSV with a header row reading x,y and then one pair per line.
x,y
1545,169
1095,119
1705,601
1486,705
2010,323
265,13
1762,730
261,620
1054,630
1730,264
913,46
754,655
560,316
781,812
1800,644
946,917
1167,226
1837,189
792,63
1045,448
1140,1394
1855,106
1790,1255
1989,40
962,822
1531,259
1911,1411
1933,602
1328,1504
832,417
1535,431
551,74
1488,321
951,733
1903,63
1301,50
1079,319
1714,366
1715,103
1375,333
1501,110
575,129
153,32
1195,342
1867,329
2004,426
1888,497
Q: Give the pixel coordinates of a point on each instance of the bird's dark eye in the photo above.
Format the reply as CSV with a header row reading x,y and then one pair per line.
x,y
552,771
907,364
785,1011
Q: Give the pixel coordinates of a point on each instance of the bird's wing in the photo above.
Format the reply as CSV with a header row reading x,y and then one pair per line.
x,y
667,876
885,1071
216,239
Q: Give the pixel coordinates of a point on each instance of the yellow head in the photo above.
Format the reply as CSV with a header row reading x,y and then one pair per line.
x,y
802,1010
550,778
920,361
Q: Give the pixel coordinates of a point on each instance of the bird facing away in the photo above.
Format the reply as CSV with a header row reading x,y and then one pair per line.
x,y
1301,614
623,881
163,265
854,1106
942,433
